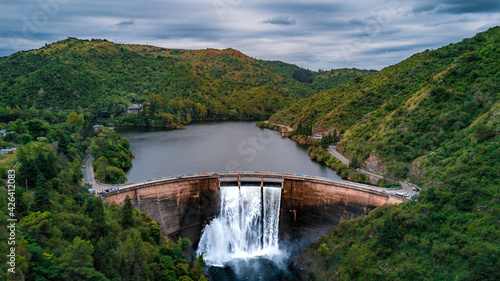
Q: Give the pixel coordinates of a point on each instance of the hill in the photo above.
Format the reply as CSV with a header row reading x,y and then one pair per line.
x,y
435,117
63,232
175,86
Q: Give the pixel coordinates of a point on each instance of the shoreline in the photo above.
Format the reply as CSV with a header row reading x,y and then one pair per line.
x,y
340,163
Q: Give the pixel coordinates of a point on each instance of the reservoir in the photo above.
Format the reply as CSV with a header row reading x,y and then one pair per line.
x,y
216,147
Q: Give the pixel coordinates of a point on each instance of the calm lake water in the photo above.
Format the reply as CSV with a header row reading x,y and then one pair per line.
x,y
216,147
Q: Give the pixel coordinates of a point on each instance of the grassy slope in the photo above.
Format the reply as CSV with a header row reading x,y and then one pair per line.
x,y
438,113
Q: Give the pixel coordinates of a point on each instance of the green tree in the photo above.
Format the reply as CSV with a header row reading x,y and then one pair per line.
x,y
95,210
100,166
39,226
18,126
36,158
36,128
26,138
134,257
77,262
63,143
108,144
75,119
42,266
396,171
115,175
127,213
354,164
106,258
41,202
155,231
197,270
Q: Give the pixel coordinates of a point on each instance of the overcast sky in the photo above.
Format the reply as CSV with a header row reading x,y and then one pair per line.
x,y
315,34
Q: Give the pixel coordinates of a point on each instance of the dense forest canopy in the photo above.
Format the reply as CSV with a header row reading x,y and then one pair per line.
x,y
63,232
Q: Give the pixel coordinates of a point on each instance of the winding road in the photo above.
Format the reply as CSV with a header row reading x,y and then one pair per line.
x,y
406,187
88,175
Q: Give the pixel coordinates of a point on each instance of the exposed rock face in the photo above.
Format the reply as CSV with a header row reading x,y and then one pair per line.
x,y
374,164
319,129
417,170
373,180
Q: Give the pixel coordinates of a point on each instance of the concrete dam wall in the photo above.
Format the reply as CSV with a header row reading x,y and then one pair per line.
x,y
310,206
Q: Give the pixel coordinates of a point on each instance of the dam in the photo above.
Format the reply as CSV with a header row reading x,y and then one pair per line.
x,y
309,206
248,225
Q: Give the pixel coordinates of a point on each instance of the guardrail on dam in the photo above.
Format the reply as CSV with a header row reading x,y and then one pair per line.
x,y
310,206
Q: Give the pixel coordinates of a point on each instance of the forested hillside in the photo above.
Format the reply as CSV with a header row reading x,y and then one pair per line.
x,y
435,118
62,231
174,86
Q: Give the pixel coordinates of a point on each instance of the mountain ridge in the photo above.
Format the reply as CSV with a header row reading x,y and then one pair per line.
x,y
104,78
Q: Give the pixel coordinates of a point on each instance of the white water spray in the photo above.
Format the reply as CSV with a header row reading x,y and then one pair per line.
x,y
247,226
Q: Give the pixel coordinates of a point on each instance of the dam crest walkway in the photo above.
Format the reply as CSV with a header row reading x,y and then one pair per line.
x,y
237,177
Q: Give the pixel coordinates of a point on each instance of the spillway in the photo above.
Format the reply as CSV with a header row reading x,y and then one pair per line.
x,y
246,227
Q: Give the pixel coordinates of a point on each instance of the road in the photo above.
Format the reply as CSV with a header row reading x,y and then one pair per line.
x,y
405,186
88,174
337,155
287,127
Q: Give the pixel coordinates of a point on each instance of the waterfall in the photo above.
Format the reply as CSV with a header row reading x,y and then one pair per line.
x,y
246,227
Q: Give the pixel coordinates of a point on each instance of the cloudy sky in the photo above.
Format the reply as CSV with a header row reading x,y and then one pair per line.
x,y
310,33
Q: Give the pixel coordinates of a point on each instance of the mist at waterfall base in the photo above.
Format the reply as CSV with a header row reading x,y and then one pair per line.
x,y
241,243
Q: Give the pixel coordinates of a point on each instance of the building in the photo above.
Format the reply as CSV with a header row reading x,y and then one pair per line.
x,y
284,132
4,132
97,126
41,138
134,109
7,150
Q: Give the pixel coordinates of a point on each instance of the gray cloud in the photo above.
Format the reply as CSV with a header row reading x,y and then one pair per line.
x,y
280,21
302,7
457,6
390,31
125,23
326,34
